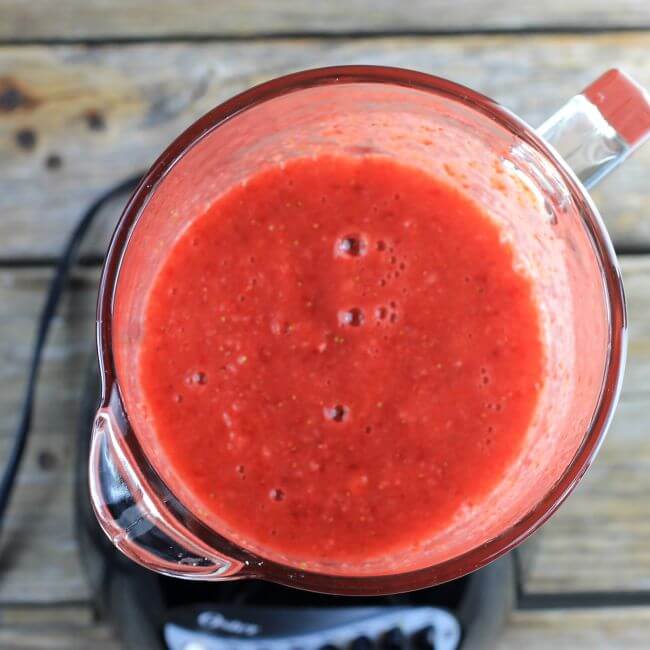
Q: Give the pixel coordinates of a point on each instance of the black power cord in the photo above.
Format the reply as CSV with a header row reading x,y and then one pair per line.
x,y
65,262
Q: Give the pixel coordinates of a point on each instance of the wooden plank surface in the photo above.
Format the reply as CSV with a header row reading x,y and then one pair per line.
x,y
38,551
97,19
58,637
597,541
601,629
56,628
75,119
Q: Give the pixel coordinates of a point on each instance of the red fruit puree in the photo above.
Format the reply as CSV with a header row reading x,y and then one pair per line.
x,y
338,356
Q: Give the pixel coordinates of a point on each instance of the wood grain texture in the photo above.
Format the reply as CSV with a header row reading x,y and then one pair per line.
x,y
613,629
100,19
597,541
54,628
38,551
74,119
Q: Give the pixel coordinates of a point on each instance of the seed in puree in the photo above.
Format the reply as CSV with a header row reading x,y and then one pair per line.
x,y
337,357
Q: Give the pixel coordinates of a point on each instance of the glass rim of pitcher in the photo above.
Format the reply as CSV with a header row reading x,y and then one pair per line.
x,y
471,560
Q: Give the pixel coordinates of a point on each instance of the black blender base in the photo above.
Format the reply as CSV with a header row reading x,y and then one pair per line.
x,y
153,612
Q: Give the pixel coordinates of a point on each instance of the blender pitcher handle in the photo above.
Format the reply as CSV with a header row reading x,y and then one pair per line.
x,y
598,129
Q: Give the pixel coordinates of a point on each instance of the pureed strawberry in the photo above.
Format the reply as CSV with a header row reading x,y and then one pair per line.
x,y
337,357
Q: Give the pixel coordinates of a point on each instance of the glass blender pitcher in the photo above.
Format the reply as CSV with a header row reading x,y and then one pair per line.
x,y
534,185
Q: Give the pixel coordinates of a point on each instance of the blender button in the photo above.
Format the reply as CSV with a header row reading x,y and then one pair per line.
x,y
362,643
424,639
393,639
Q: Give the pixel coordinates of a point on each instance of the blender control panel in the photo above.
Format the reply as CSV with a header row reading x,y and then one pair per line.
x,y
327,628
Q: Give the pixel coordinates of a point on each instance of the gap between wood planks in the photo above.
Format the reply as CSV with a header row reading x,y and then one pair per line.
x,y
102,41
582,600
87,261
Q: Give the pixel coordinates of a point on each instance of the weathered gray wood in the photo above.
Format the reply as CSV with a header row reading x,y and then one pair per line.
x,y
98,114
54,627
77,614
137,18
51,627
614,629
38,552
67,637
597,541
